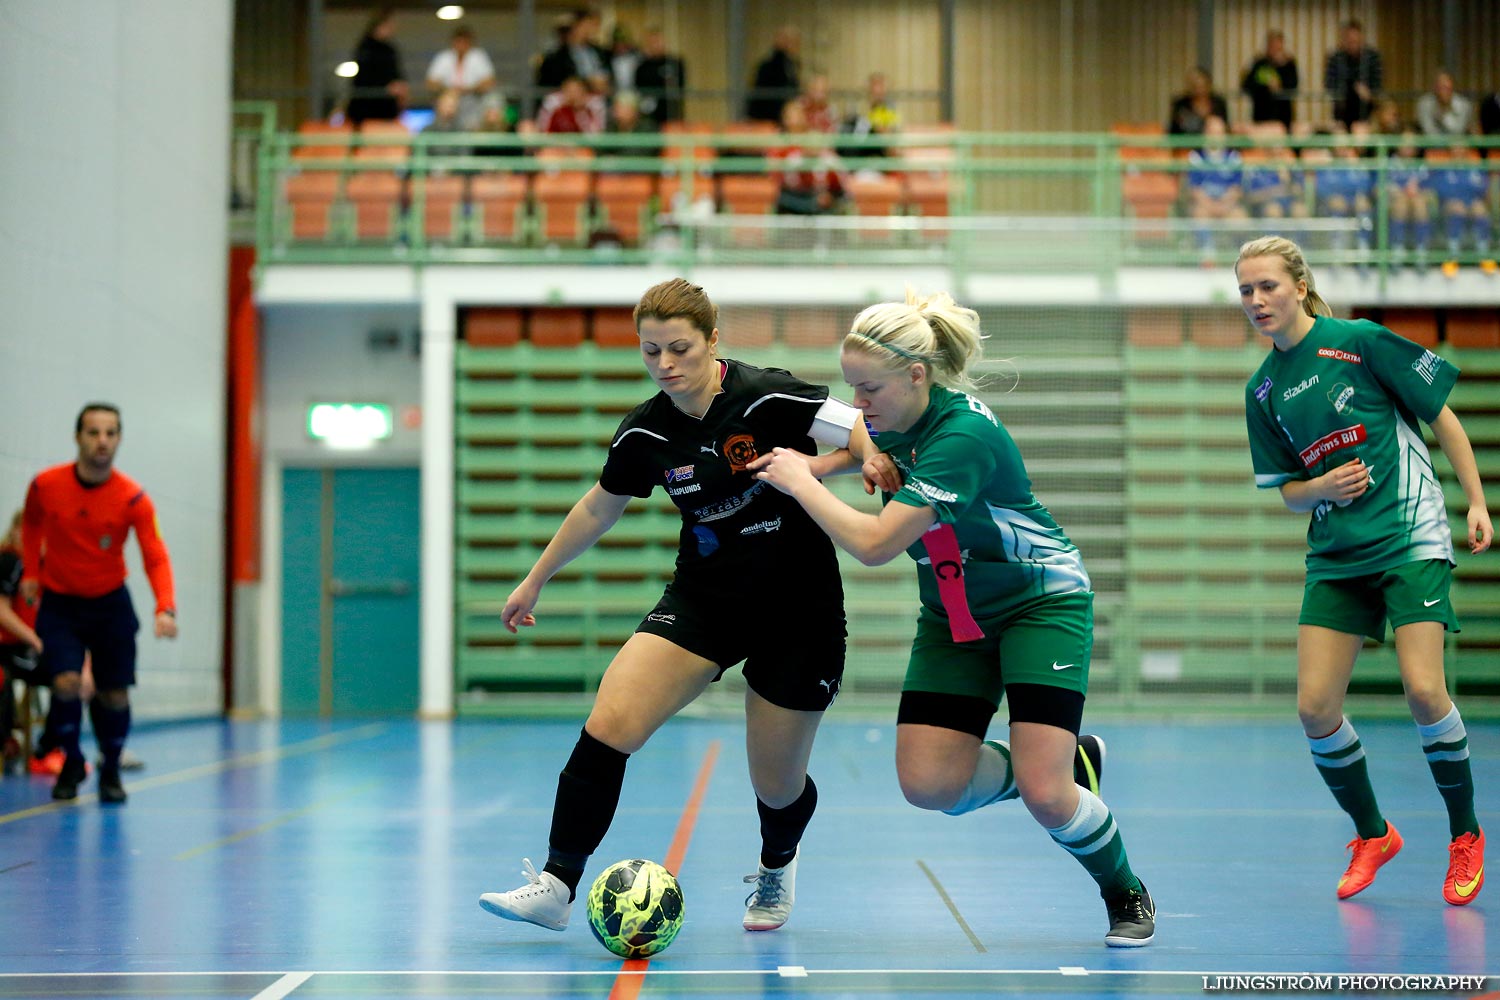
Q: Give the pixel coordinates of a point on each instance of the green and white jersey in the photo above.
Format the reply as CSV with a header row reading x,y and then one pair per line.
x,y
1353,389
1005,548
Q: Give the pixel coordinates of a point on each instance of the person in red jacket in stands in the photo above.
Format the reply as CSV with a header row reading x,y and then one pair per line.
x,y
19,644
73,532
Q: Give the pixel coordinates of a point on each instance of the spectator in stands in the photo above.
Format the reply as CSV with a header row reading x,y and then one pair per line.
x,y
660,79
379,87
1387,118
465,70
577,55
1408,188
1194,107
1462,187
1215,183
572,109
811,176
1273,186
1346,190
1489,115
1442,111
817,106
624,59
777,79
625,118
1353,75
1271,81
878,116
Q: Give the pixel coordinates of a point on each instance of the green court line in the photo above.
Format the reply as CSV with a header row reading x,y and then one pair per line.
x,y
313,745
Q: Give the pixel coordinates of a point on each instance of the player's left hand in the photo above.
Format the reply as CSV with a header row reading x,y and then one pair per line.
x,y
784,469
166,625
1481,532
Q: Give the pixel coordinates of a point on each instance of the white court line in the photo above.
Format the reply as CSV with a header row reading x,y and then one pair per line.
x,y
283,986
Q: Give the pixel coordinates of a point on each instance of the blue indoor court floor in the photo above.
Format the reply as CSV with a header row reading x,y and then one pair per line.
x,y
345,859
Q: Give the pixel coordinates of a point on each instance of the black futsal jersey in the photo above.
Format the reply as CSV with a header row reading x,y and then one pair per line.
x,y
741,538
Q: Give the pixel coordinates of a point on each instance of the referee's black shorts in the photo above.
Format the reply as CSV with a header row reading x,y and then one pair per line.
x,y
104,627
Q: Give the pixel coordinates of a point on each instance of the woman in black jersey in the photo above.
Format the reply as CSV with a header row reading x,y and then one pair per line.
x,y
743,545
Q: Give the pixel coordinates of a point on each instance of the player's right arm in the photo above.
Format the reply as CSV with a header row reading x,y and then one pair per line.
x,y
585,524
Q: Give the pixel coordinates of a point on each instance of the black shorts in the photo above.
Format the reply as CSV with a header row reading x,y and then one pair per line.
x,y
104,627
801,674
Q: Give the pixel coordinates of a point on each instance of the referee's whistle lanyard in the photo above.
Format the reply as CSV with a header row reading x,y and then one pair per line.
x,y
941,543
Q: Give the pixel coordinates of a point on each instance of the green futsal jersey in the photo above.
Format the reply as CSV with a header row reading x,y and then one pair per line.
x,y
1353,389
994,546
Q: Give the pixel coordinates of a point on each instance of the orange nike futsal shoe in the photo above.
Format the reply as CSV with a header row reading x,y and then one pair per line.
x,y
1368,856
1465,869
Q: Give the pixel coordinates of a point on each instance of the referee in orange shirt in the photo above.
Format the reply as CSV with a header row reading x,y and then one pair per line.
x,y
73,532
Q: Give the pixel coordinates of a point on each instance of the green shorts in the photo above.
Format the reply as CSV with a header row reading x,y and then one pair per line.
x,y
1048,641
1361,605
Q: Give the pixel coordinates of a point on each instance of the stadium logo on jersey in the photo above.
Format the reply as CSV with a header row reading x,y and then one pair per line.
x,y
1299,388
678,491
664,619
1263,390
1340,396
761,527
1329,443
740,450
724,508
681,474
1426,366
1338,355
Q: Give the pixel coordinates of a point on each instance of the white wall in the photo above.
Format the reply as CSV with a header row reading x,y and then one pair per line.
x,y
313,354
114,126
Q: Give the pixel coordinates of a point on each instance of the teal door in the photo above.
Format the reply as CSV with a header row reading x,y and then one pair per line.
x,y
349,591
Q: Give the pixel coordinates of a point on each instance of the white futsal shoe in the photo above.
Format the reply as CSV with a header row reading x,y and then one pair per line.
x,y
543,900
771,903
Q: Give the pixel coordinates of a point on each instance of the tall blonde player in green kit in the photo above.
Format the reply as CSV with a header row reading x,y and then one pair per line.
x,y
1332,415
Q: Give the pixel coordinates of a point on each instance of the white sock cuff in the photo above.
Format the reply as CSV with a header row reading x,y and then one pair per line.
x,y
992,781
1445,730
1343,736
1090,815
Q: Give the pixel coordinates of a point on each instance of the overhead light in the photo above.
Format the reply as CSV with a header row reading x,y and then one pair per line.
x,y
348,68
450,12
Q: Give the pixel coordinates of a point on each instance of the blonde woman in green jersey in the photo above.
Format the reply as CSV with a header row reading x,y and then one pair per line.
x,y
1332,416
1006,605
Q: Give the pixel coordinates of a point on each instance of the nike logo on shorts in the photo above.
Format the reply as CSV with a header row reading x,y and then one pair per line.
x,y
1062,666
1428,604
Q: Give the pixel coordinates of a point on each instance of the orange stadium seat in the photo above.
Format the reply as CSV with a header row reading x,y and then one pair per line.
x,y
625,204
499,208
375,197
926,194
558,327
562,207
1418,325
875,195
1470,328
1154,327
310,197
615,328
493,326
443,211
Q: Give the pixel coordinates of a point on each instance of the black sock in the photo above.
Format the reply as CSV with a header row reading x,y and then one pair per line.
x,y
588,791
781,829
111,727
65,719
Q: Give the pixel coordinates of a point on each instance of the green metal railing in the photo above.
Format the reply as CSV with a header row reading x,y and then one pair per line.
x,y
1023,202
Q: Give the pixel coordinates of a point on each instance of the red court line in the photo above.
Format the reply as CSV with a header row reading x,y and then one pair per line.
x,y
632,975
